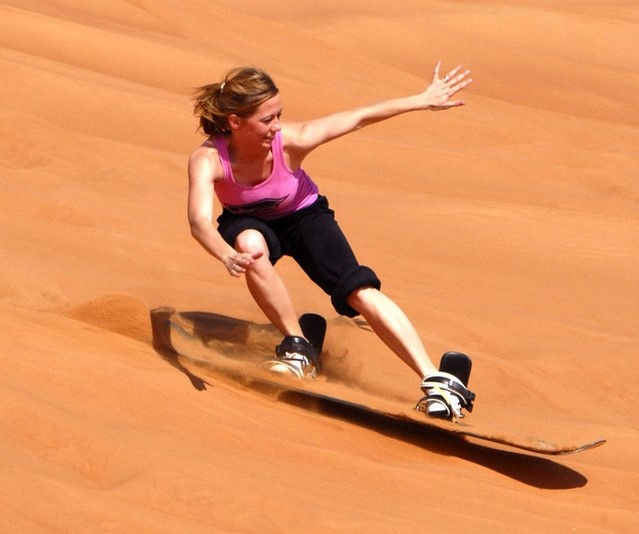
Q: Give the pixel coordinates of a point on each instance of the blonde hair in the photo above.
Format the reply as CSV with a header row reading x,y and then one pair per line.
x,y
241,92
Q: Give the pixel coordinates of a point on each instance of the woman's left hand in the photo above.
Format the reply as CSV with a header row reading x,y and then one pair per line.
x,y
437,95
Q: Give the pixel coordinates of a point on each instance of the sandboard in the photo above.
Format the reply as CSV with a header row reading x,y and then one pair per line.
x,y
191,335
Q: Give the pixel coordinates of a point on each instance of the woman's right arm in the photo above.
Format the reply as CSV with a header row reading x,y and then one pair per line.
x,y
204,167
302,138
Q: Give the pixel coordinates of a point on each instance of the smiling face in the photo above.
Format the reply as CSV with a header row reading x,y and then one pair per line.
x,y
260,128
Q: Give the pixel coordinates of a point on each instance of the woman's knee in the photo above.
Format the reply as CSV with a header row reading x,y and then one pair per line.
x,y
349,295
251,241
362,298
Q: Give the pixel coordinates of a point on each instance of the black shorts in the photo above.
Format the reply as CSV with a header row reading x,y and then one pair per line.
x,y
312,237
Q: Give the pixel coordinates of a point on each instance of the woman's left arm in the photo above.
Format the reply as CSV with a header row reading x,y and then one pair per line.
x,y
304,137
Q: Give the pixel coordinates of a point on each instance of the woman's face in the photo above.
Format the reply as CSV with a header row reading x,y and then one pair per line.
x,y
262,126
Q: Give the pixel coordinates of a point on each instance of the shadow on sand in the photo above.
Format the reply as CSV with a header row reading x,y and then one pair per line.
x,y
528,468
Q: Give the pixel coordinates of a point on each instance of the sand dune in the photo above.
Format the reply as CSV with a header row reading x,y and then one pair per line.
x,y
507,229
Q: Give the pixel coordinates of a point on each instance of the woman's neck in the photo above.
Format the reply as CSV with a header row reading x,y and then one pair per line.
x,y
251,165
243,152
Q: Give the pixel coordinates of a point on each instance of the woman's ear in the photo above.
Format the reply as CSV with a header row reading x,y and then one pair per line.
x,y
234,121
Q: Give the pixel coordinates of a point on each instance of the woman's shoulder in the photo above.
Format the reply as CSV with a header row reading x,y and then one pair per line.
x,y
204,162
290,133
293,143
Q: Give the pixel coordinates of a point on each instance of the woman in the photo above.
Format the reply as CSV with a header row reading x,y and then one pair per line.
x,y
252,161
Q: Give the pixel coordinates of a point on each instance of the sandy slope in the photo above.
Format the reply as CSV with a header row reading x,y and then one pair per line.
x,y
507,229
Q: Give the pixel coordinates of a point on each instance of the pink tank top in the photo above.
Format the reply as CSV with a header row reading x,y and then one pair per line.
x,y
282,193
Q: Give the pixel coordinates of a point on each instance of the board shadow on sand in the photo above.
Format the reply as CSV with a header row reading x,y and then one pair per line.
x,y
230,334
164,347
533,470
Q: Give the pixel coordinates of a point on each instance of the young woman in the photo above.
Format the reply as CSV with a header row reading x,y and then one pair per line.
x,y
252,162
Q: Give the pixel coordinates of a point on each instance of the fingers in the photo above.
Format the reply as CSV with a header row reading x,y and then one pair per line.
x,y
235,269
452,73
453,79
436,71
454,82
459,85
449,104
239,263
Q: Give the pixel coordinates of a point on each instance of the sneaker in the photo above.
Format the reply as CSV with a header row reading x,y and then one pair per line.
x,y
294,357
446,395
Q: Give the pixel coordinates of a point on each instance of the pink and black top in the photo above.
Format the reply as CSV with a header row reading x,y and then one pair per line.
x,y
282,193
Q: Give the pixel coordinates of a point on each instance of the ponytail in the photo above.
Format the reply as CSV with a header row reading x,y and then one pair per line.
x,y
241,92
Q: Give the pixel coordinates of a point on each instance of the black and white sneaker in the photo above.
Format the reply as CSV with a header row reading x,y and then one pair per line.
x,y
446,395
447,390
295,357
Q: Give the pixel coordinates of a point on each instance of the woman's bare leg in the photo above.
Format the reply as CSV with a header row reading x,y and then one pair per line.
x,y
392,326
266,286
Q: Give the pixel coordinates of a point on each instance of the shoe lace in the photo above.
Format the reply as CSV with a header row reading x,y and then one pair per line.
x,y
295,357
301,362
450,399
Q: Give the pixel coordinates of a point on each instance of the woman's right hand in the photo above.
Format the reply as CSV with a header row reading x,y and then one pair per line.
x,y
237,263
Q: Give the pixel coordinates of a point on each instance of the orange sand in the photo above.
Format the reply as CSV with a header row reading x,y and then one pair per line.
x,y
507,229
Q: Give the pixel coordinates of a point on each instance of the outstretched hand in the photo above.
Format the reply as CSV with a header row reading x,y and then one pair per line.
x,y
437,95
